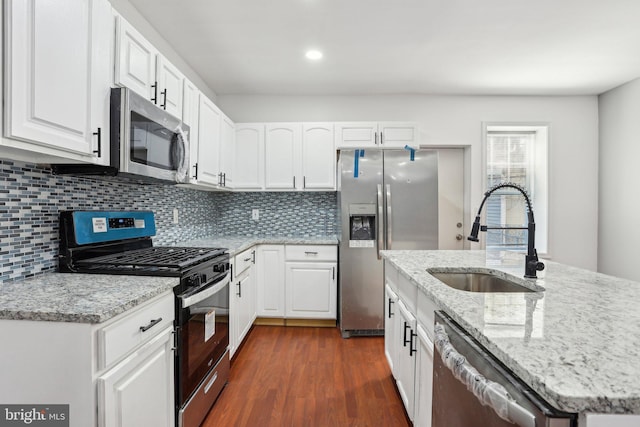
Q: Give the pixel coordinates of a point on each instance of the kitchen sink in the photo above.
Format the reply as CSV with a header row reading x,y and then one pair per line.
x,y
479,282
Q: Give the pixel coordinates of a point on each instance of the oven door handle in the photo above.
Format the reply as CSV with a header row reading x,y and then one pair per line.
x,y
204,292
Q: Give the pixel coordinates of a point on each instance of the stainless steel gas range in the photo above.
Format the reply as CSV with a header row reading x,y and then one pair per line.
x,y
119,242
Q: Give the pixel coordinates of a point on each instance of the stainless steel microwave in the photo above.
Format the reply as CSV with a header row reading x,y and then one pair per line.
x,y
145,140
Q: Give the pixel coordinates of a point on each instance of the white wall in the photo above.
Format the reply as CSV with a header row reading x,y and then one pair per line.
x,y
457,121
619,205
131,14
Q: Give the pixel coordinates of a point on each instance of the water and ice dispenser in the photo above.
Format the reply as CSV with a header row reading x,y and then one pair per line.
x,y
362,225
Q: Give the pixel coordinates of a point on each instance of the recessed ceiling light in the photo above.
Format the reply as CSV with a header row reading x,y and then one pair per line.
x,y
313,55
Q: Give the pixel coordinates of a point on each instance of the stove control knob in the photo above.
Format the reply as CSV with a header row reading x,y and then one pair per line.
x,y
193,280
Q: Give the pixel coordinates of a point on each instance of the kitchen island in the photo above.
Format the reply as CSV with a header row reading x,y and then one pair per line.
x,y
575,343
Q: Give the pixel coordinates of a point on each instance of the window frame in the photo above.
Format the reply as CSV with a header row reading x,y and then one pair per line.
x,y
541,176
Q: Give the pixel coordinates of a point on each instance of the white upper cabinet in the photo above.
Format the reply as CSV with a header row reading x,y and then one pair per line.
x,y
377,135
141,68
285,156
248,170
57,77
357,135
190,107
282,145
398,134
318,157
135,61
171,80
209,120
227,150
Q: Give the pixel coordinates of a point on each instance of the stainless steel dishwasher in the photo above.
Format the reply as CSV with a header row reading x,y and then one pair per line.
x,y
472,388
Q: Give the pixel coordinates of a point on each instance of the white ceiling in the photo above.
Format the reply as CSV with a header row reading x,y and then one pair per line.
x,y
554,47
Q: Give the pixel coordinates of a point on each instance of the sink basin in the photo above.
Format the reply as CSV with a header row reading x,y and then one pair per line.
x,y
479,282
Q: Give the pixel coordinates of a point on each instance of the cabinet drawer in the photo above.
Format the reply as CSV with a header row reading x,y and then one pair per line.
x,y
244,260
124,335
311,253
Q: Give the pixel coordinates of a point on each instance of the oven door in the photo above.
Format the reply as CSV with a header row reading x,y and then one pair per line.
x,y
203,334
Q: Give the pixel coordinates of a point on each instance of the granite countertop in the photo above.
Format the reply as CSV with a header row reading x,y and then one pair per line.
x,y
237,244
576,343
79,298
95,298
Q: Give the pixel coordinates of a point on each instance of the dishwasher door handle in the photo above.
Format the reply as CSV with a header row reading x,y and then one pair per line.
x,y
489,393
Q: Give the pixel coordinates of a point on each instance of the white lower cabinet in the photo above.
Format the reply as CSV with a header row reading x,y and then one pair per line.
x,y
423,380
139,390
242,298
390,327
311,290
271,278
405,374
408,345
110,374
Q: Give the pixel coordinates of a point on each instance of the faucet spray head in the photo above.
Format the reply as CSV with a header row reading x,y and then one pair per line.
x,y
474,230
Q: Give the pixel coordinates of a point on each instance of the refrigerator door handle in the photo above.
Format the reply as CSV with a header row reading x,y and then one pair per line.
x,y
379,241
389,222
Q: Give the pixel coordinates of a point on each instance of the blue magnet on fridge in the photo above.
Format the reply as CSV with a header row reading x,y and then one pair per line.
x,y
412,150
356,163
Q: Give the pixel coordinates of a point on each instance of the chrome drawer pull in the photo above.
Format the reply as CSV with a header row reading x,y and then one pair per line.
x,y
151,324
310,253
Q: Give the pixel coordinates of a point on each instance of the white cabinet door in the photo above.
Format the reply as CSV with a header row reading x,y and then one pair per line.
x,y
170,87
270,281
311,290
50,97
406,357
248,171
423,380
227,151
391,327
318,157
190,108
136,62
102,51
243,307
139,390
281,148
209,120
398,134
356,135
377,134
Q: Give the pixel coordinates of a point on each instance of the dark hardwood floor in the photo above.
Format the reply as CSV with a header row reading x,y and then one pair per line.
x,y
306,377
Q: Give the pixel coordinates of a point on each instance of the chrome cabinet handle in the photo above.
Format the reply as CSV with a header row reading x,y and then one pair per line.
x,y
310,253
381,138
195,167
390,312
239,293
151,324
253,257
294,182
304,182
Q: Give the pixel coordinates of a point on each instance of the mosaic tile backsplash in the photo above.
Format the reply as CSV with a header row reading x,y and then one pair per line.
x,y
31,198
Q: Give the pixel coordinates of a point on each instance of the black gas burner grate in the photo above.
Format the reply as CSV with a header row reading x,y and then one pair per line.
x,y
154,258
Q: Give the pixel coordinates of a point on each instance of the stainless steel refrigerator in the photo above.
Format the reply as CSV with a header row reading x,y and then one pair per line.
x,y
388,199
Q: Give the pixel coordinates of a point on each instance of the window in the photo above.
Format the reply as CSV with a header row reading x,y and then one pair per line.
x,y
516,154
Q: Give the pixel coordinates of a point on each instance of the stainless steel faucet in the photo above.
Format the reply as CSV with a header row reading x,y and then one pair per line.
x,y
532,264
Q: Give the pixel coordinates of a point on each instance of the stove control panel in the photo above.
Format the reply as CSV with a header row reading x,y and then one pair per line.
x,y
121,223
